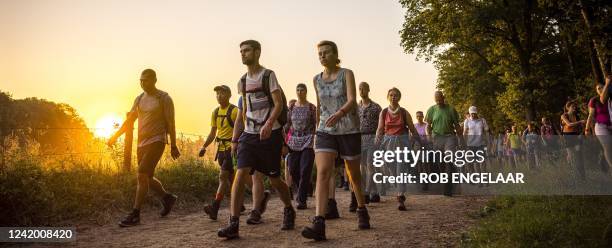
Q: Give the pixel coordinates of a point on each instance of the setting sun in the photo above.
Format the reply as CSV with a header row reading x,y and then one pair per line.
x,y
107,125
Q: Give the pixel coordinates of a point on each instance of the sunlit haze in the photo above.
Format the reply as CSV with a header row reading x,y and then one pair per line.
x,y
90,54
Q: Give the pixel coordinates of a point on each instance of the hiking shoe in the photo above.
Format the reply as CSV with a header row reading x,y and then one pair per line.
x,y
375,198
231,231
363,218
167,204
316,231
254,217
332,210
302,206
212,210
353,205
131,219
288,219
401,199
264,202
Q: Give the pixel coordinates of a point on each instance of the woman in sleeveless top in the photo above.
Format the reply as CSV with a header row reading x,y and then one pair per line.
x,y
337,135
599,118
571,123
394,126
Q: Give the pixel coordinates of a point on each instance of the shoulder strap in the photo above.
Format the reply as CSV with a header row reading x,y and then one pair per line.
x,y
228,115
265,85
138,100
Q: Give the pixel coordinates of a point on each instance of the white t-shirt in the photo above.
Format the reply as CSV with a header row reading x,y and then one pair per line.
x,y
475,131
257,102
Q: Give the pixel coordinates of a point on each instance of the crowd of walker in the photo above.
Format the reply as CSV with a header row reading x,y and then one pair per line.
x,y
337,134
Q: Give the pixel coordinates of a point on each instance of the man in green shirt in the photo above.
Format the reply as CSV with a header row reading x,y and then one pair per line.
x,y
443,126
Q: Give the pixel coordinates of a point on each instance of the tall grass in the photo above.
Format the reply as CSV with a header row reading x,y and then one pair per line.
x,y
41,190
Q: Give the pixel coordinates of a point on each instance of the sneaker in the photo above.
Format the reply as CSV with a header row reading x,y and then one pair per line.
x,y
363,218
167,204
231,231
264,202
212,210
353,205
375,198
316,231
131,219
302,206
288,219
254,217
401,199
332,210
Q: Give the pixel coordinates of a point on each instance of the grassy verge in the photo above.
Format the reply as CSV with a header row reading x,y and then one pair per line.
x,y
543,221
35,194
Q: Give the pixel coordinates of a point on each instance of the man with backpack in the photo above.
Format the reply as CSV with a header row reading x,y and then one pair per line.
x,y
154,110
222,129
259,146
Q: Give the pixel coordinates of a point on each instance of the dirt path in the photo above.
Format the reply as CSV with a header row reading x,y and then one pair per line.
x,y
431,221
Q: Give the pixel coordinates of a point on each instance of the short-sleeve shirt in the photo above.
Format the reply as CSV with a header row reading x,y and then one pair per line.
x,y
154,112
224,130
368,117
476,128
301,120
421,129
258,105
602,116
442,119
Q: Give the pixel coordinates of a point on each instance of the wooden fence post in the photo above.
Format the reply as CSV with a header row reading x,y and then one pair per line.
x,y
127,149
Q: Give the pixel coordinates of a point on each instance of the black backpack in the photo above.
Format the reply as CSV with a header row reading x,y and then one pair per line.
x,y
227,116
265,88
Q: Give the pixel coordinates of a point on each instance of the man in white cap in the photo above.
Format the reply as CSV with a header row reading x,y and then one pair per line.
x,y
476,130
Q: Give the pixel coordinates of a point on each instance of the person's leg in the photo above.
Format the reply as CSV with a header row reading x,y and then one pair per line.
x,y
325,163
354,175
294,170
141,190
282,189
306,161
157,187
237,195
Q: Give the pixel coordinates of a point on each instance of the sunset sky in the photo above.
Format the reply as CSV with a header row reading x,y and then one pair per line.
x,y
89,54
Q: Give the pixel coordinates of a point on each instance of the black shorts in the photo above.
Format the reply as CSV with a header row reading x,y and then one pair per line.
x,y
347,146
148,156
225,160
261,155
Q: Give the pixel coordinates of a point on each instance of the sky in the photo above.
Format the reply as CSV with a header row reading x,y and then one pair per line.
x,y
89,54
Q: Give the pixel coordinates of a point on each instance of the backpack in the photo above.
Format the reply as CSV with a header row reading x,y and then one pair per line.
x,y
265,88
228,115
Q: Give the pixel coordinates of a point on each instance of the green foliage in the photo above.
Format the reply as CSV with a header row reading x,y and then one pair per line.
x,y
516,60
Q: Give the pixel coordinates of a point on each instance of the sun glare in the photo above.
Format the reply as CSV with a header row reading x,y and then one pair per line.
x,y
107,125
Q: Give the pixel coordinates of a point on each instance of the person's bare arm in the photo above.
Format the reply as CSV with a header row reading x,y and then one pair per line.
x,y
171,127
266,130
604,93
567,121
128,123
211,137
589,122
381,127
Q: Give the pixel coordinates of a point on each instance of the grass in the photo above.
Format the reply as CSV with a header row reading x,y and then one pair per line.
x,y
35,192
543,221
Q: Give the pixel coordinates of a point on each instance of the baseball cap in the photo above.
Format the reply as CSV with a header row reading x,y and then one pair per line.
x,y
223,88
473,110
